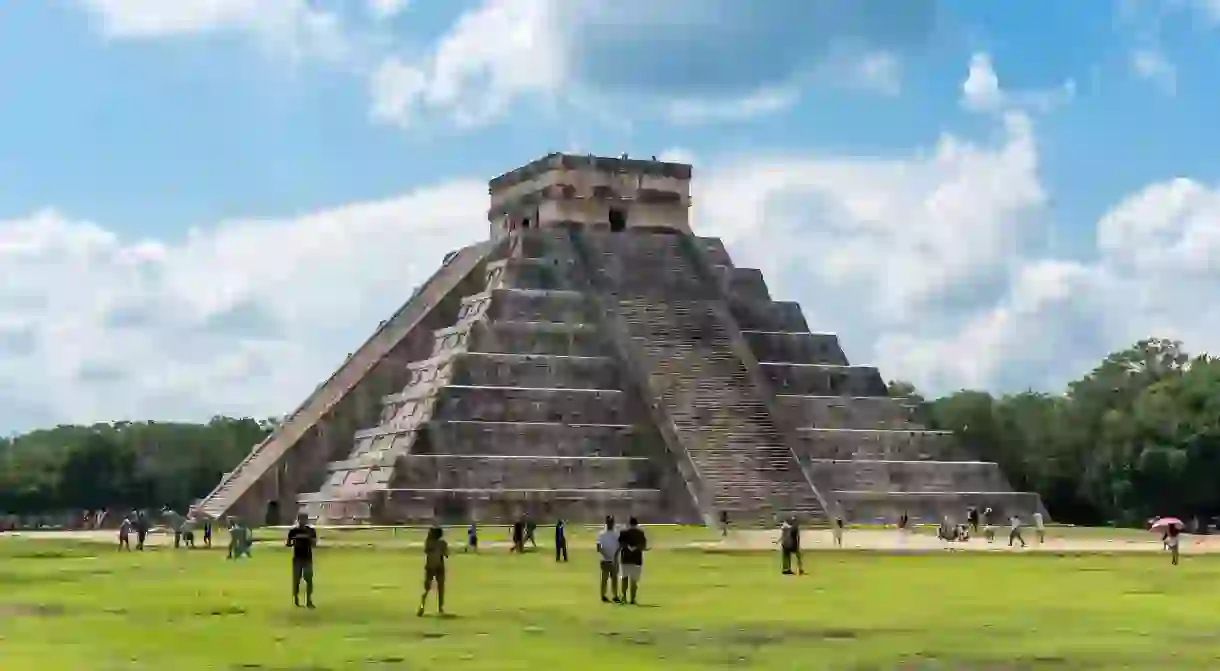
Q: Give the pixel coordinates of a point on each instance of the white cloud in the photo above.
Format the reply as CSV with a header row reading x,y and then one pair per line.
x,y
297,28
1152,65
981,91
387,9
491,56
879,71
759,103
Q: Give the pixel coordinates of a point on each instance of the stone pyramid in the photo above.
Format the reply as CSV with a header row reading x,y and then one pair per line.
x,y
595,357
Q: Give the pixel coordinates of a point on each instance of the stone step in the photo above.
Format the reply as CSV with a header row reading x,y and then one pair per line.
x,y
516,337
910,476
530,305
576,506
530,273
879,444
794,346
449,471
764,316
824,379
542,370
846,412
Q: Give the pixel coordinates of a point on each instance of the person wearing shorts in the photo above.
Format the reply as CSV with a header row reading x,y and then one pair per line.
x,y
607,554
302,538
436,551
631,543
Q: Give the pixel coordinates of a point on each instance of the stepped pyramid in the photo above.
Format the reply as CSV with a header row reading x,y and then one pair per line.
x,y
595,357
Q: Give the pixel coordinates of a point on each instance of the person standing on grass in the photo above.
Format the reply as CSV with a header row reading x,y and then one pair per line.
x,y
302,538
790,546
1039,527
125,534
472,539
141,525
561,541
436,551
607,554
518,537
836,530
530,528
1014,534
1171,541
631,546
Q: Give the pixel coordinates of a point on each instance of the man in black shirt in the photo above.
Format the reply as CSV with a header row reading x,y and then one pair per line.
x,y
518,537
561,541
632,543
302,538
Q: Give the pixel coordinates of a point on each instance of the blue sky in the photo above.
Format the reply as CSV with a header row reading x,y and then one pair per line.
x,y
205,204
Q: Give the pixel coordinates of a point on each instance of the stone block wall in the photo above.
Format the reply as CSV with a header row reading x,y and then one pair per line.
x,y
824,380
867,412
796,347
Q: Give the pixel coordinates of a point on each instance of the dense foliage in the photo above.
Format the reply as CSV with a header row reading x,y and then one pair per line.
x,y
128,464
1137,436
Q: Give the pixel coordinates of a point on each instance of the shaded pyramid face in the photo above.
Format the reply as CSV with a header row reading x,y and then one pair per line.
x,y
575,374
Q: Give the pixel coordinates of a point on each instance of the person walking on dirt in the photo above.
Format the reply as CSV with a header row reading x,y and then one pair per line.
x,y
1014,534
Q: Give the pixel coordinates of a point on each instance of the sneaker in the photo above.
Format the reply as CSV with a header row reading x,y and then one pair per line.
x,y
605,600
309,605
617,600
420,612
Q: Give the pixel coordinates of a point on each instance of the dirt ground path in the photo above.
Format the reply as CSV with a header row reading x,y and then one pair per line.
x,y
894,541
813,540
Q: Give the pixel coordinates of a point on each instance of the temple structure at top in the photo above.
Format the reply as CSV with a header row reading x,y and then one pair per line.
x,y
595,356
600,194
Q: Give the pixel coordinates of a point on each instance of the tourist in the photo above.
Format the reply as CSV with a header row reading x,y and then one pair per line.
x,y
1171,540
607,552
561,541
632,543
141,525
836,530
240,539
302,538
1014,533
1039,528
436,550
125,534
472,539
790,546
518,537
530,527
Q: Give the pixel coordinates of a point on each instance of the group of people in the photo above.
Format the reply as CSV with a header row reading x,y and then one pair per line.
x,y
976,520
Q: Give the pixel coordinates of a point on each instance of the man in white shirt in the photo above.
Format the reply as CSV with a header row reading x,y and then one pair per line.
x,y
1039,528
607,551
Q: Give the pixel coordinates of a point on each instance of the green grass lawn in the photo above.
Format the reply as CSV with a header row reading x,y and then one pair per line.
x,y
86,607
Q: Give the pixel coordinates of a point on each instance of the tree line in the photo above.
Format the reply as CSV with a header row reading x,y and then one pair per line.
x,y
1137,436
125,465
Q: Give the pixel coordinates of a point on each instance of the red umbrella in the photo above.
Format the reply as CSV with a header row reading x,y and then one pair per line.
x,y
1165,522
